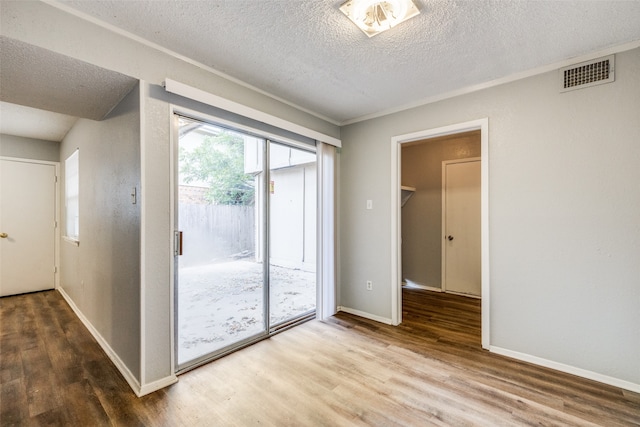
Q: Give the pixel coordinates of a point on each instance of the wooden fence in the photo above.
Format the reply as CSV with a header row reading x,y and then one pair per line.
x,y
213,233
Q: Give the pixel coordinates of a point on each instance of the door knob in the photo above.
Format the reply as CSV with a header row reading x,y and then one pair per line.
x,y
450,237
3,235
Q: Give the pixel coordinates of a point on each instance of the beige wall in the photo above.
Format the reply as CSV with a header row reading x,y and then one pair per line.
x,y
422,214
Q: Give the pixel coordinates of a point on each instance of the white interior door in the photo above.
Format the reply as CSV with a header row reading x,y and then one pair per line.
x,y
27,224
461,252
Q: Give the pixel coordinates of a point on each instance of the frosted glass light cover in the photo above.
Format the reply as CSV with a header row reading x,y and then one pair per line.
x,y
376,16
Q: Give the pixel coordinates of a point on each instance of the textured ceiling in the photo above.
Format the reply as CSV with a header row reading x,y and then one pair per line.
x,y
34,123
42,93
38,78
308,53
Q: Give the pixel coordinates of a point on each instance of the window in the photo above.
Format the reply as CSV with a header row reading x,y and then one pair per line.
x,y
71,196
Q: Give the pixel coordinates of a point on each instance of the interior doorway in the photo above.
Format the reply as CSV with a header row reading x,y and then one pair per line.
x,y
445,201
418,259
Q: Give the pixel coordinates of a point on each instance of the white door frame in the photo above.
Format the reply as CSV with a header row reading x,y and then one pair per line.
x,y
443,281
396,223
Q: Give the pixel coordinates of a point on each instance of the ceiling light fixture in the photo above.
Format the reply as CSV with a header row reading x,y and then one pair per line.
x,y
376,16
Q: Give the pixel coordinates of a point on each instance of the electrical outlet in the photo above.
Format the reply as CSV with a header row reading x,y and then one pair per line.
x,y
369,285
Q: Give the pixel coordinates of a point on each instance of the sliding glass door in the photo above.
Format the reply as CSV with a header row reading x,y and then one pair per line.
x,y
240,200
220,277
292,233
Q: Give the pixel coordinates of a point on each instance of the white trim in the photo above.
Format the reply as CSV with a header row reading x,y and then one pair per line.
x,y
219,121
173,196
157,385
605,379
26,160
152,45
326,232
462,294
143,235
71,240
396,234
443,226
58,228
414,285
497,82
484,233
72,164
208,98
439,290
365,315
111,354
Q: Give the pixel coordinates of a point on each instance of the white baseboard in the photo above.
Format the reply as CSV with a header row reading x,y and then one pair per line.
x,y
605,379
463,294
420,286
157,385
126,373
415,285
567,369
365,315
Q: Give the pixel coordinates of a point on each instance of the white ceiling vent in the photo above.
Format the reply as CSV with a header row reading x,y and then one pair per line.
x,y
585,74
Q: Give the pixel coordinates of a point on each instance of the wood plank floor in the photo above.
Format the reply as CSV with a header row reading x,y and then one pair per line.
x,y
346,371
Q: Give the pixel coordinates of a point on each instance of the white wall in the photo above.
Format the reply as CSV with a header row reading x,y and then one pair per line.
x,y
29,148
292,234
102,274
564,205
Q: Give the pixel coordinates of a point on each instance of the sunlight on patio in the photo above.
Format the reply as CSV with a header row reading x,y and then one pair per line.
x,y
221,303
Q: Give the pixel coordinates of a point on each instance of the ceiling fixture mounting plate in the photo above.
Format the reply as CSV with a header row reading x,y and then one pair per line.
x,y
376,16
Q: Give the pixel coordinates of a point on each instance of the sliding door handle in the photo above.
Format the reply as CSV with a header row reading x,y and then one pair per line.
x,y
177,243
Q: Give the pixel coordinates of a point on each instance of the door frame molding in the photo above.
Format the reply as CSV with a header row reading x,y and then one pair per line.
x,y
58,203
396,223
445,163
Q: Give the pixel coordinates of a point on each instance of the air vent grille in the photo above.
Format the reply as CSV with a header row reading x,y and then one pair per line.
x,y
587,74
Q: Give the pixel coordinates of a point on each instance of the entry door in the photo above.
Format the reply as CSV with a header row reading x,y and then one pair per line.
x,y
461,265
27,226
